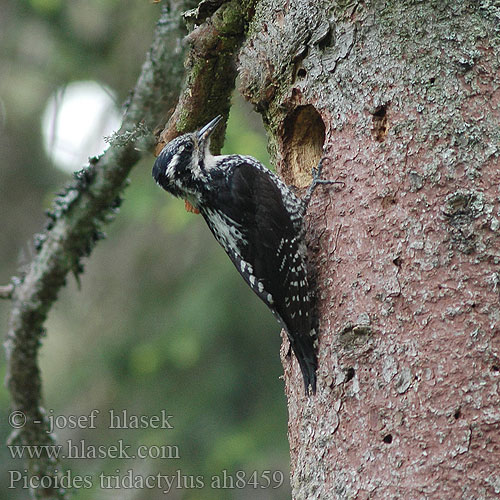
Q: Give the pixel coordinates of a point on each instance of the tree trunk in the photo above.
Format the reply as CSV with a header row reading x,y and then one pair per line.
x,y
403,99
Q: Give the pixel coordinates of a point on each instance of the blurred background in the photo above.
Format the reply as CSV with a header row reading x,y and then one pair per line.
x,y
162,321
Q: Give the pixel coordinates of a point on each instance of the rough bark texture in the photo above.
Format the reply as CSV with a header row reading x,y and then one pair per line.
x,y
403,97
218,31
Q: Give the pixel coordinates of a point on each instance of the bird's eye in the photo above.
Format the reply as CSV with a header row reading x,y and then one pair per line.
x,y
188,147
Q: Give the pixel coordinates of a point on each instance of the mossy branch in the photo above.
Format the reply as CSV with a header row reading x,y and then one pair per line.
x,y
211,64
93,198
74,226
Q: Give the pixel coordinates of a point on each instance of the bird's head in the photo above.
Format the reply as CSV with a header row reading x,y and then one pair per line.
x,y
182,162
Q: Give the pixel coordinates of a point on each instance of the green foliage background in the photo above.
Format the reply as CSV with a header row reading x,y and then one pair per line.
x,y
162,320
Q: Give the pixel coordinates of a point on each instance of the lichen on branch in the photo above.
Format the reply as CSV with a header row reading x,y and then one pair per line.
x,y
79,212
74,226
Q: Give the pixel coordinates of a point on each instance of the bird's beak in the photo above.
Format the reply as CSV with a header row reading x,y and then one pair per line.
x,y
205,132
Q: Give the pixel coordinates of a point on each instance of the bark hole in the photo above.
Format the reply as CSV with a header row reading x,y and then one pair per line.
x,y
349,374
380,128
303,145
388,439
457,414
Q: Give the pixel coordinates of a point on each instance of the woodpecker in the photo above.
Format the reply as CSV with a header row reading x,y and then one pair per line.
x,y
258,221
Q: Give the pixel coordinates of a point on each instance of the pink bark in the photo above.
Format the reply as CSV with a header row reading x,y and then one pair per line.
x,y
407,99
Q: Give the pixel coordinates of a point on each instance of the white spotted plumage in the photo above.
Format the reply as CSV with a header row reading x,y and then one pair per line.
x,y
257,219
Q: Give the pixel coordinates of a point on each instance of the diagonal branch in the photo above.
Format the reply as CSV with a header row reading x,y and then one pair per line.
x,y
79,213
73,229
215,40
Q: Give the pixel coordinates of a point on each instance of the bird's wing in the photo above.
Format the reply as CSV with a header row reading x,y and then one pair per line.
x,y
250,219
269,256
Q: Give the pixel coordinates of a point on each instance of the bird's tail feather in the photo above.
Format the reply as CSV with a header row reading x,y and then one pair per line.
x,y
303,348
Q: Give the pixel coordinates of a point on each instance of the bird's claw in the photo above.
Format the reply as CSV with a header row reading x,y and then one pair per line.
x,y
316,180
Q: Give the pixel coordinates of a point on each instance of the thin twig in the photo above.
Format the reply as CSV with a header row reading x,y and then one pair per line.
x,y
6,291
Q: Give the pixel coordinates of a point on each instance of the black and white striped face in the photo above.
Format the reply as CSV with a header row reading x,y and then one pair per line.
x,y
177,165
180,167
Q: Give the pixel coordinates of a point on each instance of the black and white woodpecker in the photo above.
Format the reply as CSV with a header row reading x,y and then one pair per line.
x,y
258,220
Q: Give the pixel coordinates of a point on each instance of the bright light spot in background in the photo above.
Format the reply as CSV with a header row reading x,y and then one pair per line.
x,y
75,121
